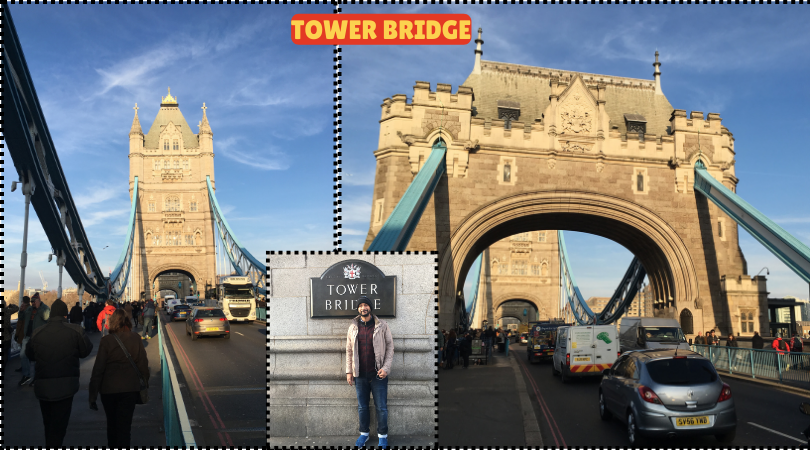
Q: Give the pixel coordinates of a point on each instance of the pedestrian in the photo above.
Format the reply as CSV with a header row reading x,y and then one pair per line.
x,y
506,342
88,318
450,347
731,341
129,309
56,348
796,344
103,319
19,332
35,317
441,347
369,356
757,341
115,378
465,348
490,337
8,310
700,339
780,345
148,317
76,314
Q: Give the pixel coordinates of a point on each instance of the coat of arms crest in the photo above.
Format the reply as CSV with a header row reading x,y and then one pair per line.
x,y
352,272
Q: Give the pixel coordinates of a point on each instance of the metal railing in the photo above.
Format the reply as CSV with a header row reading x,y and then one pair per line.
x,y
175,417
759,364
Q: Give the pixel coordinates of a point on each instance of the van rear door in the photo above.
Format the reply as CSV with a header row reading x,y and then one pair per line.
x,y
606,346
581,350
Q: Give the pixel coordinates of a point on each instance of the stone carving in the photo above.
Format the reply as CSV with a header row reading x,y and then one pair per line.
x,y
575,146
691,146
576,113
728,165
552,163
600,166
408,139
471,146
674,162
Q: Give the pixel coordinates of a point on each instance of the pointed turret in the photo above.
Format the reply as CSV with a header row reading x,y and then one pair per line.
x,y
657,74
478,53
136,124
205,128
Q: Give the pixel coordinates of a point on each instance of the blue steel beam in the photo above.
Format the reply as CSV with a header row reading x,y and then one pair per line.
x,y
34,154
624,294
569,291
117,282
787,248
398,229
474,293
242,261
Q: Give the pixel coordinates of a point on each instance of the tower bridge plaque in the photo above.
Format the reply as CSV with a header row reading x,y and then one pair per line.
x,y
335,293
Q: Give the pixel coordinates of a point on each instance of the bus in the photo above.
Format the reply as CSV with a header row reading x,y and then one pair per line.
x,y
237,298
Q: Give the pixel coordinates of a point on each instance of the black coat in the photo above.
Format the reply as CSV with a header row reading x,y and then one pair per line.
x,y
76,314
465,346
732,343
57,347
757,342
112,372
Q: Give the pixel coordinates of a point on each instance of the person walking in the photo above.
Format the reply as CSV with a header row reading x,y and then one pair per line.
x,y
148,318
490,337
465,347
757,342
56,347
441,347
8,310
115,378
129,309
35,317
450,347
76,314
103,319
369,356
733,355
19,332
506,342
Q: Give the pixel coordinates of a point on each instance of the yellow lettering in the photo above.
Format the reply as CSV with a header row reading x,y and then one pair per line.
x,y
420,25
433,29
446,32
354,29
405,27
335,28
368,29
318,29
389,29
464,30
297,24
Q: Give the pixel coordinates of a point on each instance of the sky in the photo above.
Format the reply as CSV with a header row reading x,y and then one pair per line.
x,y
269,105
746,62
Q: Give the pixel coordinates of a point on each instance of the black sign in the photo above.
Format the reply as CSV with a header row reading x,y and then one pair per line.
x,y
336,292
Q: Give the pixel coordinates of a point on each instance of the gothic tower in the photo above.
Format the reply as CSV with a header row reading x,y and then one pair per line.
x,y
174,231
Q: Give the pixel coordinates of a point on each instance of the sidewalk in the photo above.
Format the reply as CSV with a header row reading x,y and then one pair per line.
x,y
22,419
486,406
348,441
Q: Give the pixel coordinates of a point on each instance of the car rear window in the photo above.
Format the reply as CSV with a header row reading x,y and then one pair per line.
x,y
210,313
182,307
681,371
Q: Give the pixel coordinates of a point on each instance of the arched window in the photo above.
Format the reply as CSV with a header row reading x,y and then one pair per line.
x,y
544,269
686,322
166,144
172,203
175,145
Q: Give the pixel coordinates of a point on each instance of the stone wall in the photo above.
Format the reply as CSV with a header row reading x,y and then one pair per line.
x,y
308,392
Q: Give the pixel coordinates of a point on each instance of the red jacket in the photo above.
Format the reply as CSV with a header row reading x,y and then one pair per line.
x,y
105,313
775,345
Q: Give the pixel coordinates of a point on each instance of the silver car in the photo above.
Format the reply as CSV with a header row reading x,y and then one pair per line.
x,y
207,321
667,393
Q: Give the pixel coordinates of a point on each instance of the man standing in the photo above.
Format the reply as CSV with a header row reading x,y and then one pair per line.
x,y
148,317
56,347
8,310
36,316
757,341
699,339
369,355
19,333
76,314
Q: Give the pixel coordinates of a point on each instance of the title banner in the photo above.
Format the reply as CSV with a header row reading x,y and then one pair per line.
x,y
380,29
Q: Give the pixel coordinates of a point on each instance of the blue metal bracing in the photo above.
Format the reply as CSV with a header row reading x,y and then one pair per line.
x,y
34,155
474,293
398,229
787,248
571,297
243,262
118,279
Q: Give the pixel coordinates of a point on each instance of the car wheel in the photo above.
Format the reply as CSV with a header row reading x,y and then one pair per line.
x,y
604,414
636,440
727,437
194,337
227,335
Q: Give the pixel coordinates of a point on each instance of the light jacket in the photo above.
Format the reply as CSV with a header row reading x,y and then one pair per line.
x,y
383,347
43,314
105,314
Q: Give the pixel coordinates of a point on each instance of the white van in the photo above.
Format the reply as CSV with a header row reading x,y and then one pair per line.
x,y
584,350
640,333
172,302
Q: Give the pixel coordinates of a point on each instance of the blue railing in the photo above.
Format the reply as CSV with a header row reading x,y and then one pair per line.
x,y
117,282
474,292
759,364
175,419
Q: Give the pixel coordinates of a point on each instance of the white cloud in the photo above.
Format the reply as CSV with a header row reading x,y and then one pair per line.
x,y
356,210
268,159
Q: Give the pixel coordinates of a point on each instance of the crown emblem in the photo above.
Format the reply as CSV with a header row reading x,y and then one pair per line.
x,y
351,272
168,100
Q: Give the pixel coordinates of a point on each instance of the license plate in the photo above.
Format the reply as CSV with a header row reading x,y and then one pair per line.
x,y
691,421
582,358
213,329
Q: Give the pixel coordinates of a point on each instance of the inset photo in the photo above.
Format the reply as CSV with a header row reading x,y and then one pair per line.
x,y
352,349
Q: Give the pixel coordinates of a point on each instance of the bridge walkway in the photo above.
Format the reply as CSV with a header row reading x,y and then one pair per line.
x,y
22,419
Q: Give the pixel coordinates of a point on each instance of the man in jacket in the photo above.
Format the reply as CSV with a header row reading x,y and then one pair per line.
x,y
369,356
757,341
148,317
76,314
8,310
56,347
19,333
699,339
35,317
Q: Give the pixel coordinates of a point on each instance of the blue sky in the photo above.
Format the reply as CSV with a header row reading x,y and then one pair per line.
x,y
269,105
747,62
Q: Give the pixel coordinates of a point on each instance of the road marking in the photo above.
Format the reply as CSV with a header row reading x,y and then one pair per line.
x,y
777,432
240,334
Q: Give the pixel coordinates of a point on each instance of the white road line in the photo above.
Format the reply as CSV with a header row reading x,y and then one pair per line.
x,y
240,334
776,432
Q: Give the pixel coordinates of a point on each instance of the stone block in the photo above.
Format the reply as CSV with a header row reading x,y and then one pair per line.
x,y
306,363
420,366
394,271
286,421
419,279
292,282
286,261
404,260
410,311
287,316
328,260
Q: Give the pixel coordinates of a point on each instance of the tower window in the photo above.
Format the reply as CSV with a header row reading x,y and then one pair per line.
x,y
640,182
192,206
507,173
151,206
175,145
177,164
519,267
185,165
172,203
166,164
536,270
541,236
166,144
720,228
157,165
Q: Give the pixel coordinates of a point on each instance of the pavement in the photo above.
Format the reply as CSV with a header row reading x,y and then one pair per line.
x,y
348,441
22,419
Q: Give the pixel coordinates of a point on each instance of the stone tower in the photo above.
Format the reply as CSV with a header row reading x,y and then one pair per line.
x,y
173,228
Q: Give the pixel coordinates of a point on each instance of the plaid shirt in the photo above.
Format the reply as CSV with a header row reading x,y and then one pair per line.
x,y
365,346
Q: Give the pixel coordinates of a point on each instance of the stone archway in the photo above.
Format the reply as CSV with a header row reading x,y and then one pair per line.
x,y
505,307
184,269
644,233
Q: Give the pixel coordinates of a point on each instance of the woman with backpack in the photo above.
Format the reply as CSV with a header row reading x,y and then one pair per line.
x,y
103,319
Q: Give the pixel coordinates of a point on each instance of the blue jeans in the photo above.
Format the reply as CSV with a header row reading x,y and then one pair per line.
x,y
27,367
369,384
147,326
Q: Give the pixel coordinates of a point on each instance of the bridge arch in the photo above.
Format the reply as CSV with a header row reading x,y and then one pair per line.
x,y
663,253
185,269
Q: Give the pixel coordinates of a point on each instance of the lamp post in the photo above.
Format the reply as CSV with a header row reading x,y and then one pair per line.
x,y
28,188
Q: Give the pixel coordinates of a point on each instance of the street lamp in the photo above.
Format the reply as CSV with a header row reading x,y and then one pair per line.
x,y
767,272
